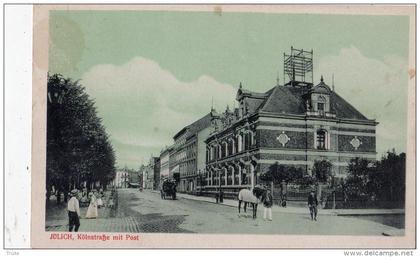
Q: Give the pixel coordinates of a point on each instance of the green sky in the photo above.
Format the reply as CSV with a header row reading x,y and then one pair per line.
x,y
205,51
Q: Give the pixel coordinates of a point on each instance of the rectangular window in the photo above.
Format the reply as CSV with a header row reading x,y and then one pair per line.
x,y
321,140
321,107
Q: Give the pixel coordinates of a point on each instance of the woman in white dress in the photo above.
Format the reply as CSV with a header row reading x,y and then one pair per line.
x,y
92,212
99,201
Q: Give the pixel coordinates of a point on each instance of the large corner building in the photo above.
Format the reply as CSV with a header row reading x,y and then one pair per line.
x,y
295,124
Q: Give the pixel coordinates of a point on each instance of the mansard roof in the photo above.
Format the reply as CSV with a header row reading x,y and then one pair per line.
x,y
291,100
200,124
196,126
287,100
343,109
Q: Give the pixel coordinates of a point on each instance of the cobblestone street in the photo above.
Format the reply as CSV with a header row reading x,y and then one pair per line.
x,y
147,212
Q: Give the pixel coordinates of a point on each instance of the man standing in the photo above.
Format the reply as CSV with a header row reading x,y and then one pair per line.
x,y
268,203
312,204
283,193
73,211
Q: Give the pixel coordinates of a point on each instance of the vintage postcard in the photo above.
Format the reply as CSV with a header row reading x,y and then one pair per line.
x,y
223,126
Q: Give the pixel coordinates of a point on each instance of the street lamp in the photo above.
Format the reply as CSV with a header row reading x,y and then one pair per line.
x,y
333,187
200,181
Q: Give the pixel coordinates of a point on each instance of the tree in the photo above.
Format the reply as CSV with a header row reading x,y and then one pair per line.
x,y
390,176
383,180
78,147
359,183
277,173
322,170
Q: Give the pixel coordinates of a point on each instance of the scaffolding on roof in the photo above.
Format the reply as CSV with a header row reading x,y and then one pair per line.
x,y
298,66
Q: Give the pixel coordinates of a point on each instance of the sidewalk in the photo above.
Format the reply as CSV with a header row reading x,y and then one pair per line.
x,y
299,210
57,217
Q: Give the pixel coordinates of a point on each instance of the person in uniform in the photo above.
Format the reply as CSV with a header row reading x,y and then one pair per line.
x,y
313,205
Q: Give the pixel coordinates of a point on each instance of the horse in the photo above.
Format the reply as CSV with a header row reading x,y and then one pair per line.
x,y
252,197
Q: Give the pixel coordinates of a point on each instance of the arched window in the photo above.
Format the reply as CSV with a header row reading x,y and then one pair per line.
x,y
232,141
230,147
253,140
222,150
247,140
240,147
321,139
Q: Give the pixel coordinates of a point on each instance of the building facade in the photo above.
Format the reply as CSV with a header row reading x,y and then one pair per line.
x,y
173,164
201,137
155,162
147,173
121,178
294,124
188,155
164,163
125,176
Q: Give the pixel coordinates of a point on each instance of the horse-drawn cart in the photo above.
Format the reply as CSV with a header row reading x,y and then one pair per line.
x,y
168,189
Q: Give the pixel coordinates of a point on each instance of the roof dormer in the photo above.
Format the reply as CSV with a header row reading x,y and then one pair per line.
x,y
321,88
319,101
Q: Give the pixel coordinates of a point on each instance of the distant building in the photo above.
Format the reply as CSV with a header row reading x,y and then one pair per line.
x,y
125,176
121,178
147,176
293,124
189,154
173,164
140,178
151,173
143,174
164,162
155,161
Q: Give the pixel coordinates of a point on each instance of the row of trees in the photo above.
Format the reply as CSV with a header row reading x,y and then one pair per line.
x,y
78,147
290,174
382,180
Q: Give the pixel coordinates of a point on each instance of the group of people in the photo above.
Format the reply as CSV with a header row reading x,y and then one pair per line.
x,y
73,207
267,201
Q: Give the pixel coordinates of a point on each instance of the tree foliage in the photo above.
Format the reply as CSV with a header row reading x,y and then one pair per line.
x,y
383,180
322,170
78,147
359,183
391,176
277,173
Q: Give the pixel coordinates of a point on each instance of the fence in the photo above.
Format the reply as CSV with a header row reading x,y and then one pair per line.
x,y
297,194
330,198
